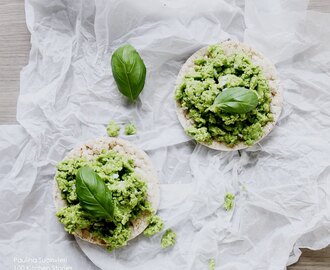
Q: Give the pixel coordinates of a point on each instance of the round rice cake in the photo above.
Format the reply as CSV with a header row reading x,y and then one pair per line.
x,y
143,168
269,71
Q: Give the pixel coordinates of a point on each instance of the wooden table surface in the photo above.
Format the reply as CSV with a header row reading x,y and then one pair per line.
x,y
14,52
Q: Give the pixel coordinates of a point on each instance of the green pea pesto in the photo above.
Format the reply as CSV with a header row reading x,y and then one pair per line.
x,y
113,129
168,239
129,193
156,224
130,129
211,264
213,73
229,201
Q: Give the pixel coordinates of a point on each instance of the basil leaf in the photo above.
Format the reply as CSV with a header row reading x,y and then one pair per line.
x,y
236,100
129,71
94,196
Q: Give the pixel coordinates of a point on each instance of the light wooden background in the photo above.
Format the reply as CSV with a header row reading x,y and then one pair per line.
x,y
14,51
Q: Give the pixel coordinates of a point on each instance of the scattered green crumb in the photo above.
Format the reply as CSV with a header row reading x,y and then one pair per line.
x,y
229,201
211,264
113,129
168,239
156,224
130,129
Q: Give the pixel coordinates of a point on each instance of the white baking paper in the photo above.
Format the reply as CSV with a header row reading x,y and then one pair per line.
x,y
282,185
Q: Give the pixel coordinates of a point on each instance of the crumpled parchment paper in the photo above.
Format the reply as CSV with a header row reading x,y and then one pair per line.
x,y
68,95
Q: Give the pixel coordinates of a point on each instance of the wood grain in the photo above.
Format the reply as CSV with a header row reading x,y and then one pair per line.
x,y
320,5
14,51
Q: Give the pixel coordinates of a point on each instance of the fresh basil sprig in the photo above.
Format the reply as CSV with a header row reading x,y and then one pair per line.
x,y
235,100
129,71
94,196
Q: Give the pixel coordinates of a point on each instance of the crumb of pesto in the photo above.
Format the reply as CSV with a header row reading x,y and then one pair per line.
x,y
113,129
211,264
156,224
229,201
168,239
130,129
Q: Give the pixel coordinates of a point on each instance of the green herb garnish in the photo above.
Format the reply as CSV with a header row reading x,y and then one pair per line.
x,y
235,100
93,195
129,71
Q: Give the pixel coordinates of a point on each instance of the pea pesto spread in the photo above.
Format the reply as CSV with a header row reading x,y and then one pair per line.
x,y
213,74
156,224
129,196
